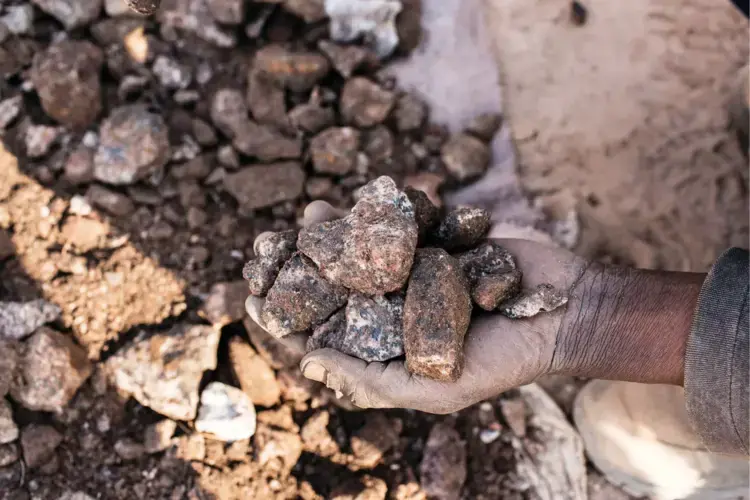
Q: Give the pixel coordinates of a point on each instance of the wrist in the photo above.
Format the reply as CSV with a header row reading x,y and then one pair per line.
x,y
627,324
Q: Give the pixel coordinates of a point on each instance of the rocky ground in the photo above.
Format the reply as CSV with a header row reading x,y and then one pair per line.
x,y
141,158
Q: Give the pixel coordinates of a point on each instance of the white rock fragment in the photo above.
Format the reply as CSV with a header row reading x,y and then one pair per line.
x,y
163,371
19,18
20,319
226,413
375,20
8,428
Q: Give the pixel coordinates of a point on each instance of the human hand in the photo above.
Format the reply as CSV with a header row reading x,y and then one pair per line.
x,y
499,353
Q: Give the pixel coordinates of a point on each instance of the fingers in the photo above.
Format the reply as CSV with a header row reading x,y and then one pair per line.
x,y
320,211
259,240
380,385
254,306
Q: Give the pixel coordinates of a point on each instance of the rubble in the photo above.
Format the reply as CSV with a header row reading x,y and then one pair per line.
x,y
465,157
443,467
369,329
492,273
544,298
133,143
271,254
410,113
373,20
226,413
296,71
39,140
364,103
361,488
316,437
461,229
8,454
110,201
276,445
254,375
145,7
128,449
163,371
485,126
334,151
275,353
426,213
225,303
346,59
371,250
39,443
259,186
300,298
8,364
434,336
9,110
8,428
51,368
158,436
66,77
379,435
311,117
20,319
191,16
71,13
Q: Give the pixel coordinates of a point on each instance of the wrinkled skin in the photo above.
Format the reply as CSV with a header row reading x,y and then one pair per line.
x,y
499,353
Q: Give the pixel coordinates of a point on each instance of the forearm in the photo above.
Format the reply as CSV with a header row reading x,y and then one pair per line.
x,y
627,324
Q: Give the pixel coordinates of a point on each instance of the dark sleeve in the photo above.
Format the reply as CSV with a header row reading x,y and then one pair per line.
x,y
717,375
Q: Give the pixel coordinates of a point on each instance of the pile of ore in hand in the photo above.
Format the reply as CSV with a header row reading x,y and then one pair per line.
x,y
392,278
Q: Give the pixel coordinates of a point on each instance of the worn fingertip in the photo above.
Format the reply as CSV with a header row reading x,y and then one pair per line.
x,y
259,239
253,306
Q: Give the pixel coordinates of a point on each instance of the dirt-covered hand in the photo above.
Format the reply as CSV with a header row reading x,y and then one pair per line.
x,y
499,353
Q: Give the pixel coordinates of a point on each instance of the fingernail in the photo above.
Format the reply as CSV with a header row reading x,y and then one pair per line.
x,y
314,371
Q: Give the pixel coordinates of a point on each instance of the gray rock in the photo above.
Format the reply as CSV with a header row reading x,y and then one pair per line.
x,y
20,319
544,298
193,16
8,428
267,101
225,303
375,21
334,151
229,111
163,371
426,213
39,139
158,436
115,8
271,254
346,59
443,467
18,18
372,249
300,298
259,186
128,449
370,329
9,110
50,371
71,13
79,166
112,202
39,443
66,77
492,273
461,229
133,143
465,157
8,454
227,11
226,413
8,364
410,113
171,74
266,143
364,103
311,117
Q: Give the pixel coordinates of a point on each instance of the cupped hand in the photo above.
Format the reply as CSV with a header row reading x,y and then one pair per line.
x,y
500,353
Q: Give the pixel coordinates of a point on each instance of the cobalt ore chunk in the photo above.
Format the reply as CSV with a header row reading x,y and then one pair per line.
x,y
372,249
492,273
461,229
300,298
271,253
425,212
369,329
544,298
437,313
